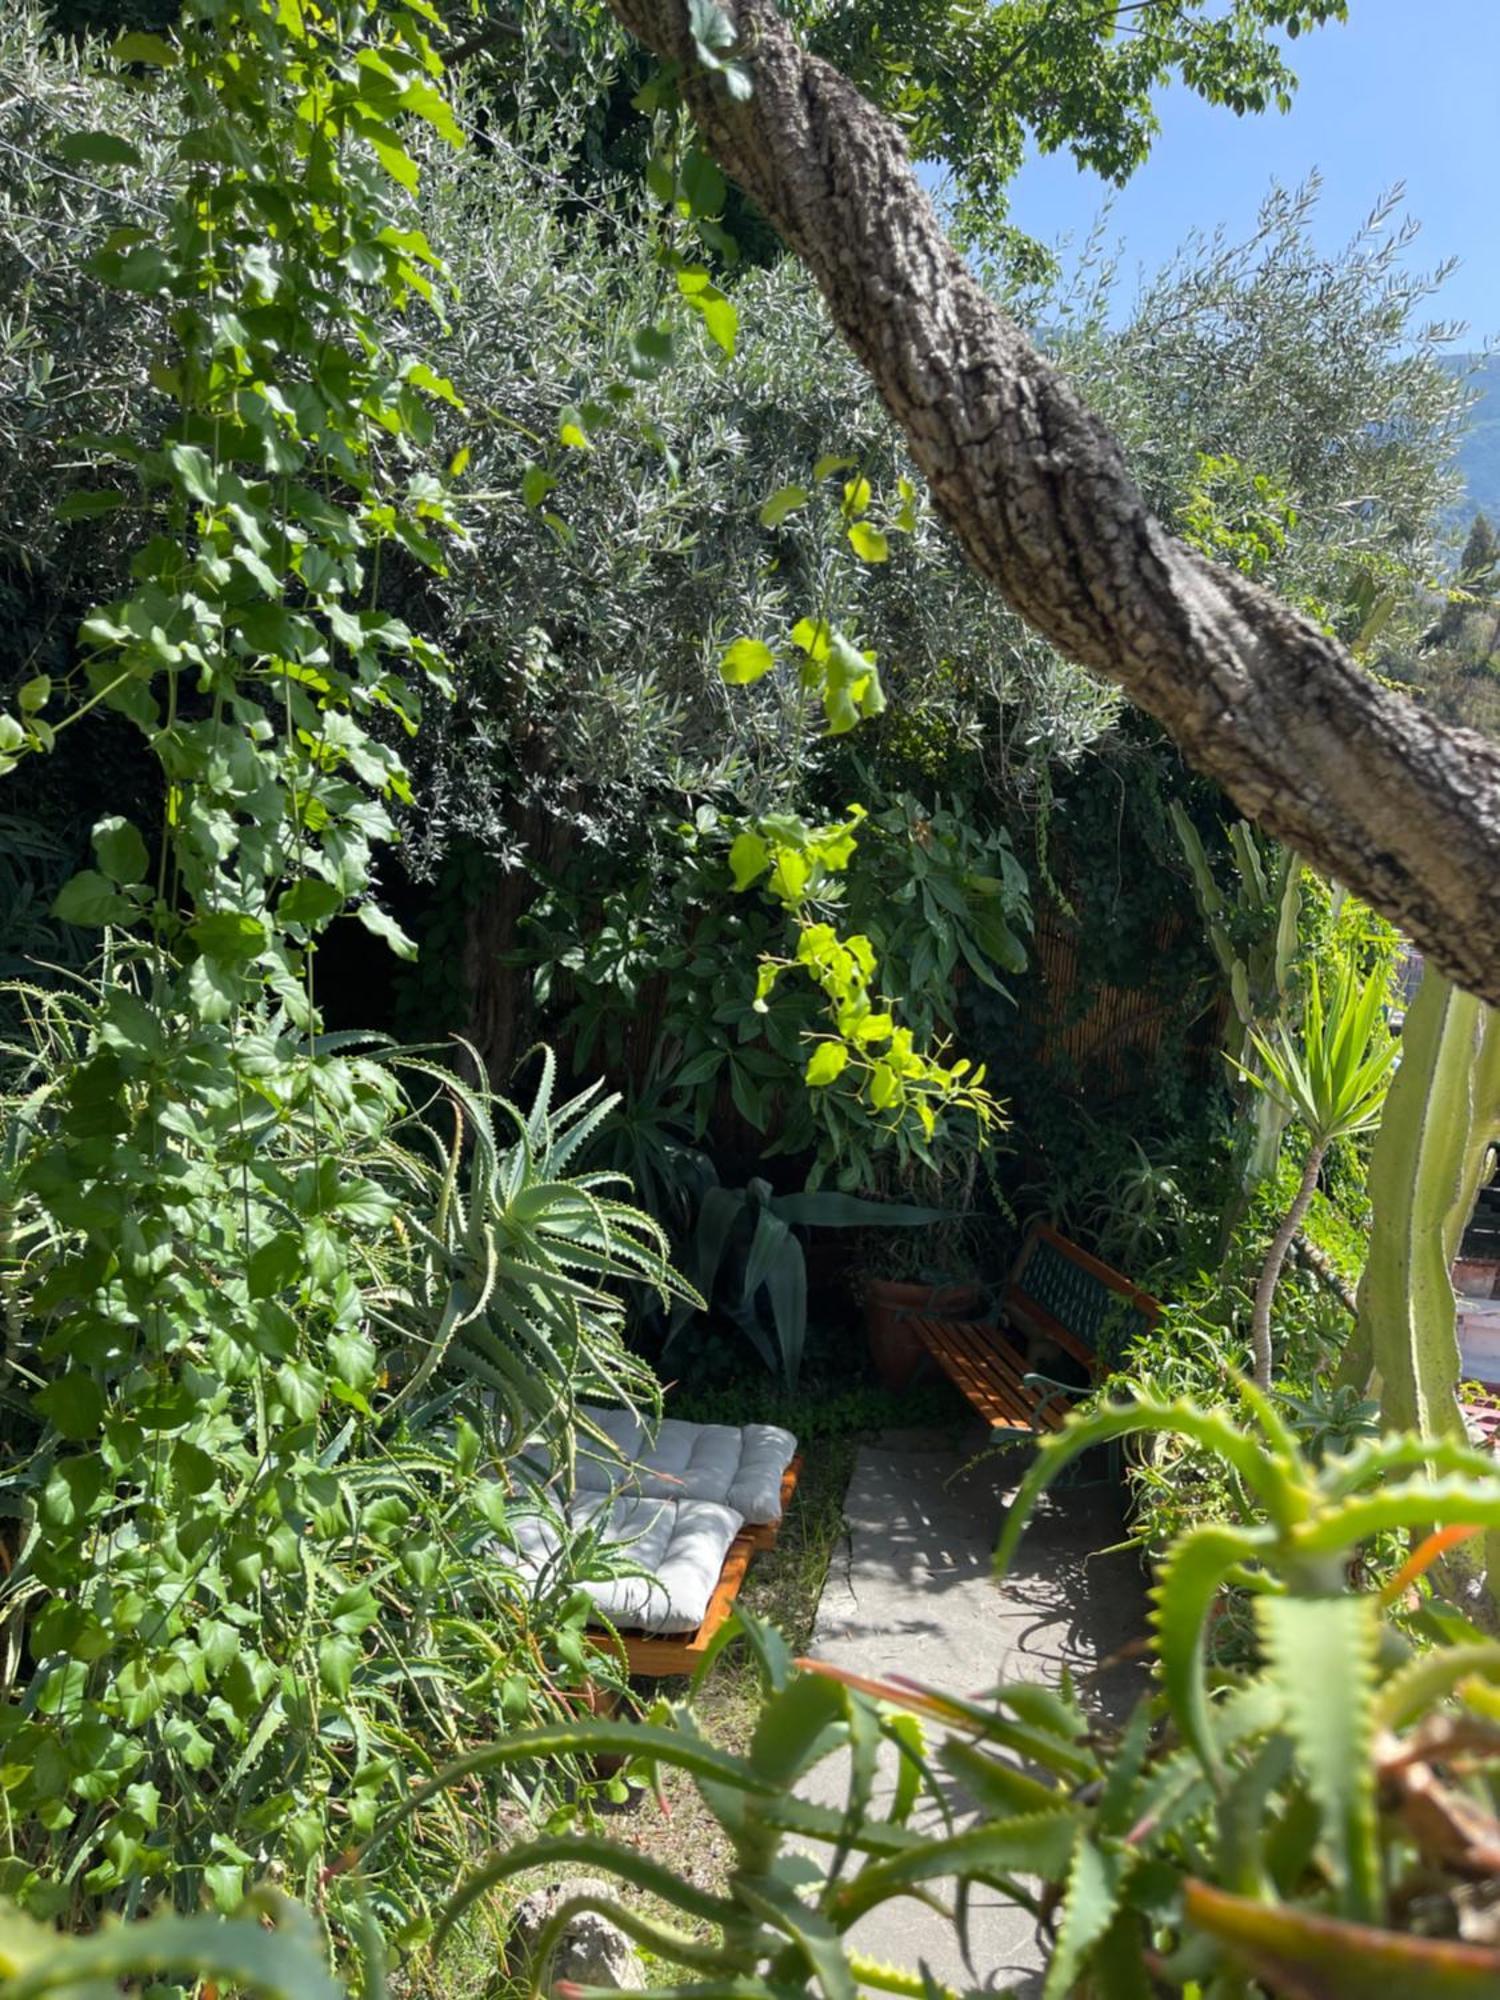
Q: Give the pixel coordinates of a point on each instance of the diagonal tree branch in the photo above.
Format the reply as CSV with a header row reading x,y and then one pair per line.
x,y
1375,791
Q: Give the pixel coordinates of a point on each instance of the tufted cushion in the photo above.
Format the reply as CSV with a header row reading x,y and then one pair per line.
x,y
740,1466
681,1544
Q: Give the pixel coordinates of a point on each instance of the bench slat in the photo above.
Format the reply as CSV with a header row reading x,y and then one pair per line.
x,y
999,1396
990,1373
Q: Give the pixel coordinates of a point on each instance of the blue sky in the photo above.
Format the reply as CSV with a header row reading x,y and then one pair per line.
x,y
1405,91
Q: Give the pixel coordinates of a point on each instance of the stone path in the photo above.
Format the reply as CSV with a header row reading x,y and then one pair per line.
x,y
913,1592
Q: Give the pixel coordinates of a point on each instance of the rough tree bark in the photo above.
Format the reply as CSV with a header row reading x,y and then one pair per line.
x,y
1370,788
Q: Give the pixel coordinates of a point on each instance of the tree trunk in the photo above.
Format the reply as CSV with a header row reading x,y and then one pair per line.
x,y
1270,1271
1369,787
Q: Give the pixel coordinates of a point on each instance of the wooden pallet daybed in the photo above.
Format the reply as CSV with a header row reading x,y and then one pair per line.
x,y
655,1655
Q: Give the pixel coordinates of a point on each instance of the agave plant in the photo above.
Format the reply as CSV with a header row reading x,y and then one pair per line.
x,y
514,1255
1332,1078
747,1258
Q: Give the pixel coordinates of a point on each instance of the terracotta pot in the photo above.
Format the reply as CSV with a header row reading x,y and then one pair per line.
x,y
1476,1277
895,1350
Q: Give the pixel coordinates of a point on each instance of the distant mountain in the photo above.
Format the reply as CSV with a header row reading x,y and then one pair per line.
x,y
1479,455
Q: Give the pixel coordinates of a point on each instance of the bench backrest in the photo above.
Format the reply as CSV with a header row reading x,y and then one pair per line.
x,y
1062,1293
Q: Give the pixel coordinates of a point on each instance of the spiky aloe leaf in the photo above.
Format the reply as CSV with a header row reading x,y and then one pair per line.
x,y
1096,1880
1321,1655
792,1729
814,1939
1377,1458
1429,1677
287,1963
1119,1802
1295,1953
579,1850
1271,1482
1030,1844
1414,1503
1184,1596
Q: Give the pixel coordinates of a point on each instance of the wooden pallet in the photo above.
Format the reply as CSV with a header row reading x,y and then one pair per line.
x,y
655,1655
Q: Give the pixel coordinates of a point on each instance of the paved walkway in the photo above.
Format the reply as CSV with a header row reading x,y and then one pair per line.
x,y
913,1592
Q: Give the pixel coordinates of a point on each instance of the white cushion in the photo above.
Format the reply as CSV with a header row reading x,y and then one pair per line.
x,y
740,1466
680,1544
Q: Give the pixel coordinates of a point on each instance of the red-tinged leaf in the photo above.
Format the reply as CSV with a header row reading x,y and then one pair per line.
x,y
1306,1957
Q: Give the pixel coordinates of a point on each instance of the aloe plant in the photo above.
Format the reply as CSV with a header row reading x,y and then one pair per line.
x,y
1273,1825
516,1252
1441,1118
1332,1079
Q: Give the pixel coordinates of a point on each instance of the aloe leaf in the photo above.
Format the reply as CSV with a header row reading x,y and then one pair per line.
x,y
1431,1676
1189,1582
817,1943
1030,1844
792,1729
1297,1954
1321,1654
1213,1429
1096,1878
580,1850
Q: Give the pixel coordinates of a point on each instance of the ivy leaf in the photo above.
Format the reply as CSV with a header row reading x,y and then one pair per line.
x,y
868,543
536,483
651,350
88,504
572,432
139,47
380,923
828,1061
73,1404
749,858
745,662
98,149
232,936
89,898
717,312
703,185
337,1658
309,902
785,500
121,850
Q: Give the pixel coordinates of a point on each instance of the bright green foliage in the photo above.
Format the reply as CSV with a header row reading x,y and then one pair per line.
x,y
1223,1824
257,1592
1333,1076
926,892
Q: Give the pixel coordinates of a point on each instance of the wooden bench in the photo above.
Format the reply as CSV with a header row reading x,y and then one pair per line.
x,y
1056,1296
658,1654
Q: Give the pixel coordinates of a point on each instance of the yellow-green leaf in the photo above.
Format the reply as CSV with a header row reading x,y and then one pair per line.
x,y
828,1061
746,661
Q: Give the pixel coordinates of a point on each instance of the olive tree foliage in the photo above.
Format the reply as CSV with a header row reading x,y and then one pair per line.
x,y
1282,405
971,83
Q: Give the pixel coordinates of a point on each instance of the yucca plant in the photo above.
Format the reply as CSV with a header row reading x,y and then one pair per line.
x,y
515,1253
1332,1078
